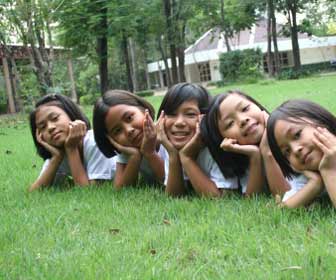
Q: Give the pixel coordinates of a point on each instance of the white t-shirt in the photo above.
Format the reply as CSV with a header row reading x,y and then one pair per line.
x,y
296,184
145,169
208,165
97,166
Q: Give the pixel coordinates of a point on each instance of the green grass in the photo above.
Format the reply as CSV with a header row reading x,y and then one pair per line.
x,y
140,233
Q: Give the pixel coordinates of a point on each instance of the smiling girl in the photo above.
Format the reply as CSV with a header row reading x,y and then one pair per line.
x,y
59,131
123,125
188,162
235,133
302,138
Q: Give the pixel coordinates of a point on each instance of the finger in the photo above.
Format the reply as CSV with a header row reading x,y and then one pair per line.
x,y
324,131
320,145
322,138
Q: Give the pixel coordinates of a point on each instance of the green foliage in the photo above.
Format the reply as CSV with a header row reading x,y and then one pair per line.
x,y
305,70
88,99
145,93
241,65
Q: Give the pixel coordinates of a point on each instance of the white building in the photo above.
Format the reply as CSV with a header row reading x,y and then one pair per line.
x,y
202,58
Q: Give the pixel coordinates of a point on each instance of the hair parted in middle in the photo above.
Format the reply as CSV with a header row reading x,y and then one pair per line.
x,y
182,92
297,111
231,164
109,99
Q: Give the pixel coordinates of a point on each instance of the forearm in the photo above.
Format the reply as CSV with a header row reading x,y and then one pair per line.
x,y
127,174
48,175
78,171
275,178
305,195
256,179
175,182
328,177
157,165
199,180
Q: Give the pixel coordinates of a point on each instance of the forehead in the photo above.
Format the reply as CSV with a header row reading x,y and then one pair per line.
x,y
116,113
45,110
283,129
189,104
230,102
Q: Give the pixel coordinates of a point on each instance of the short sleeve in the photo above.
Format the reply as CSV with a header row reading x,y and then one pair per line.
x,y
98,167
296,184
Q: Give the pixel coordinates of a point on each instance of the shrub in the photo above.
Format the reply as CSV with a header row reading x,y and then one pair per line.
x,y
145,93
88,99
241,65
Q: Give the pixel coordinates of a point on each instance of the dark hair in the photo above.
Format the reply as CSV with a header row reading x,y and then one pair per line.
x,y
63,102
296,111
231,164
182,92
101,108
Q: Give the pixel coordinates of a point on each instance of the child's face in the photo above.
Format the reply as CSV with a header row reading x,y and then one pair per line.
x,y
295,142
53,123
124,123
180,126
241,119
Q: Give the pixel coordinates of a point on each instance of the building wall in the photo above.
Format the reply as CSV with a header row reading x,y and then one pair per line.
x,y
215,73
316,55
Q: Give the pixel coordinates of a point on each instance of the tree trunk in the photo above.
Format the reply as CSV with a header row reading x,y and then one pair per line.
x,y
72,81
168,9
127,62
9,91
223,27
133,64
146,68
181,48
269,42
165,61
102,51
294,37
276,57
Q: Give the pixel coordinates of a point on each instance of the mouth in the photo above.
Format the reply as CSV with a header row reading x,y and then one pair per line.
x,y
306,157
56,135
137,139
180,134
251,129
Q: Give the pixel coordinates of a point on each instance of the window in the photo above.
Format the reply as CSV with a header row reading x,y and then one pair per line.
x,y
284,62
205,73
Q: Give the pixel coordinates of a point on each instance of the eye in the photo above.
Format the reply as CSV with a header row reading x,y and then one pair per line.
x,y
286,153
246,108
297,134
116,131
129,117
229,124
191,114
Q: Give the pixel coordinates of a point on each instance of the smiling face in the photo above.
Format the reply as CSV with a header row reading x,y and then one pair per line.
x,y
295,142
53,123
124,123
241,119
180,126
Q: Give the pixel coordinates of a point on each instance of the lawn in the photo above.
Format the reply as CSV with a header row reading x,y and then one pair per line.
x,y
140,233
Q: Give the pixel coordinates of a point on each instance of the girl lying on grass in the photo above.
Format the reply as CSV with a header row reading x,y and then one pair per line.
x,y
188,161
301,135
59,131
123,125
234,130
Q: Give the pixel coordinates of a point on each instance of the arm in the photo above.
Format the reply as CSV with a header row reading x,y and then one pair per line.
x,y
175,181
256,179
48,175
148,148
307,193
275,178
199,180
326,141
77,131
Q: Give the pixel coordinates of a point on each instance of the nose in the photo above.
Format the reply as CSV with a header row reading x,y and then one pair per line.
x,y
179,120
51,126
129,129
243,120
297,149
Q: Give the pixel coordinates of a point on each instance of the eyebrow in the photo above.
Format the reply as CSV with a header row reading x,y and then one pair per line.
x,y
235,107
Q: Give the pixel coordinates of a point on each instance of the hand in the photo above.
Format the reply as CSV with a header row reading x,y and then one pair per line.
x,y
148,144
192,148
77,131
231,145
162,136
123,149
264,142
54,151
326,141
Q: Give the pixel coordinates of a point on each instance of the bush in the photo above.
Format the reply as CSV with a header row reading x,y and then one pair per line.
x,y
88,99
145,93
292,74
241,65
